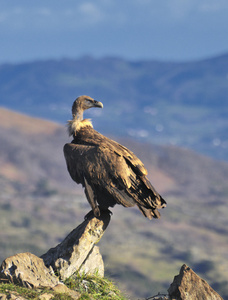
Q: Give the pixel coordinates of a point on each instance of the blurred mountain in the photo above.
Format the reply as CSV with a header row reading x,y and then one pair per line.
x,y
182,104
40,204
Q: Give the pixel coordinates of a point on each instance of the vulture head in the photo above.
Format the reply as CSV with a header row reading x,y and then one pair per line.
x,y
80,104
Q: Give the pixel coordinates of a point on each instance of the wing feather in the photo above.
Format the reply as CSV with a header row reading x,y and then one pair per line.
x,y
105,167
98,163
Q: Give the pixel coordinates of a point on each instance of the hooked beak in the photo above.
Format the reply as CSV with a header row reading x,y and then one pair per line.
x,y
97,104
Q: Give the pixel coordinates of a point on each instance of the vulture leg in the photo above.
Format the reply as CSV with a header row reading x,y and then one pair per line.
x,y
91,198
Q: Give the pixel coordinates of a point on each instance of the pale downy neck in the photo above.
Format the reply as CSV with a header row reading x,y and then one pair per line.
x,y
78,123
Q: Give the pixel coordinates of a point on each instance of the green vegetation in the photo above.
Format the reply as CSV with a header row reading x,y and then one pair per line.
x,y
94,287
7,288
89,287
43,189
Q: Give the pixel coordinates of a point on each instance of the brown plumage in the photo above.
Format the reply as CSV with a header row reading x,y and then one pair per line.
x,y
110,173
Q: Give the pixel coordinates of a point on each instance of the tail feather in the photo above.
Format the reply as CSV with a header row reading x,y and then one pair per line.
x,y
152,212
162,204
149,212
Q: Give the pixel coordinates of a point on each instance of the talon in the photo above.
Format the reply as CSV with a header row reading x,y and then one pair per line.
x,y
96,212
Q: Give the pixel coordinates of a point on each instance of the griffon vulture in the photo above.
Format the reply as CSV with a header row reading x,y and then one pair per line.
x,y
110,173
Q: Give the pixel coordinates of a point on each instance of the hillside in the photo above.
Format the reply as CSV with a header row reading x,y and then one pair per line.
x,y
183,104
40,204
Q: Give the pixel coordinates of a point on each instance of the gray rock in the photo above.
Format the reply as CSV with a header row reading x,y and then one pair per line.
x,y
11,295
63,289
46,296
93,264
27,270
189,286
77,252
72,254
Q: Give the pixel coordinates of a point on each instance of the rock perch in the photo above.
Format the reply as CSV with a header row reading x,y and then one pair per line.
x,y
77,252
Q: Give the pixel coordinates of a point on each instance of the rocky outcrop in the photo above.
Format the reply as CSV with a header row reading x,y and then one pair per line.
x,y
77,253
27,270
189,286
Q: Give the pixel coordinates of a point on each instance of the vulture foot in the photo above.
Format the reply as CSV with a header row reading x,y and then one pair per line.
x,y
97,212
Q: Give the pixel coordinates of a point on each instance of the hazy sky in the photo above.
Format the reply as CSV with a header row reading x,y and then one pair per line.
x,y
133,29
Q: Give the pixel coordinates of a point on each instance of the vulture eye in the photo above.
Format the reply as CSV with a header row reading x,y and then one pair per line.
x,y
89,102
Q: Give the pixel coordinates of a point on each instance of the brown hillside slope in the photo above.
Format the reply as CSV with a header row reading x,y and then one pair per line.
x,y
39,204
10,120
26,139
30,149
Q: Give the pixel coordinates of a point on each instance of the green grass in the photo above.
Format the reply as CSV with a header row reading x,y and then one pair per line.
x,y
94,287
90,287
8,288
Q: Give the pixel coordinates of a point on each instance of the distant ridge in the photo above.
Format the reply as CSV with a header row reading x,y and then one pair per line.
x,y
184,104
44,139
29,125
25,138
